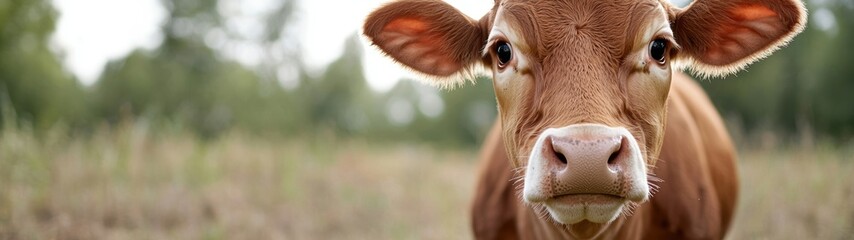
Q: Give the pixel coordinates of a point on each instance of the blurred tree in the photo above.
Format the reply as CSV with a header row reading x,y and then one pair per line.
x,y
186,81
192,86
459,117
469,113
340,99
803,87
33,84
830,108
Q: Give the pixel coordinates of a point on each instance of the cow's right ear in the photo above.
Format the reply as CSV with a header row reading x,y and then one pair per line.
x,y
428,36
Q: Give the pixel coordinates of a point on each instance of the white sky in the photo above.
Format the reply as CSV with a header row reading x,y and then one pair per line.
x,y
92,32
90,36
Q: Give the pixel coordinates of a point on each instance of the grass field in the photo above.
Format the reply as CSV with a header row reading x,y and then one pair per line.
x,y
134,184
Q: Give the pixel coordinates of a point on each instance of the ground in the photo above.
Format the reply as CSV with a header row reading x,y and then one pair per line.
x,y
134,183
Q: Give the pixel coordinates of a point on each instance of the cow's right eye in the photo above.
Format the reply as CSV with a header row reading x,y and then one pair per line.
x,y
504,53
657,50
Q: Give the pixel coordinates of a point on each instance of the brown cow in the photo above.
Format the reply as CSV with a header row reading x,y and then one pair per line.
x,y
592,118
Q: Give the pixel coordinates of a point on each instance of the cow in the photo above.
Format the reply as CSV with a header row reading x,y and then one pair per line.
x,y
599,133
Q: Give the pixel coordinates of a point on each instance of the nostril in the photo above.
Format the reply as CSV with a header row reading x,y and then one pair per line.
x,y
551,150
561,157
613,157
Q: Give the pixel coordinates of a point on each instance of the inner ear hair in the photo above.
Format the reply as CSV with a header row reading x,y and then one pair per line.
x,y
722,37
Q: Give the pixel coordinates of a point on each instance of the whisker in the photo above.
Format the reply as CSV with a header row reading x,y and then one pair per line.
x,y
629,209
542,212
652,178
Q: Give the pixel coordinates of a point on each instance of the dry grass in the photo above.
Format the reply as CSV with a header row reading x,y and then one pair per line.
x,y
801,193
133,184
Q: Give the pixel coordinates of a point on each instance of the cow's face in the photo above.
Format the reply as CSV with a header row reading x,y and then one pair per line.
x,y
583,103
582,85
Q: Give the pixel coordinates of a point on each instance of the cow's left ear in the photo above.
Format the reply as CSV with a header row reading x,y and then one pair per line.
x,y
724,36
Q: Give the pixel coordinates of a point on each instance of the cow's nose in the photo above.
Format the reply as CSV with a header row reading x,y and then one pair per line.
x,y
590,163
585,159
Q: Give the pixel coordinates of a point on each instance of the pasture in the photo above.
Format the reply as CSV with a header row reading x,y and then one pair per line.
x,y
136,183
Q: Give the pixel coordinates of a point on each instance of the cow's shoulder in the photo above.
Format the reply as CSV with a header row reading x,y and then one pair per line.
x,y
697,168
495,204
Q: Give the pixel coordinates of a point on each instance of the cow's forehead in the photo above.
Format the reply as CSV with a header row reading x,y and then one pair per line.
x,y
549,26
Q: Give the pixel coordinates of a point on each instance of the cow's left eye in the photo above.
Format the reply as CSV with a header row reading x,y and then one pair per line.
x,y
658,50
504,52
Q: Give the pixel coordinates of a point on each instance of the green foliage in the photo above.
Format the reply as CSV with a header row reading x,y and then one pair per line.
x,y
192,86
340,99
830,109
33,85
186,81
804,87
466,115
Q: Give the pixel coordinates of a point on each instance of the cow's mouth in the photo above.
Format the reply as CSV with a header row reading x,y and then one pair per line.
x,y
585,215
591,198
595,208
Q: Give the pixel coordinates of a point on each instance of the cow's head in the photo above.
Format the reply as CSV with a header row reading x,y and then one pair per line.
x,y
582,85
